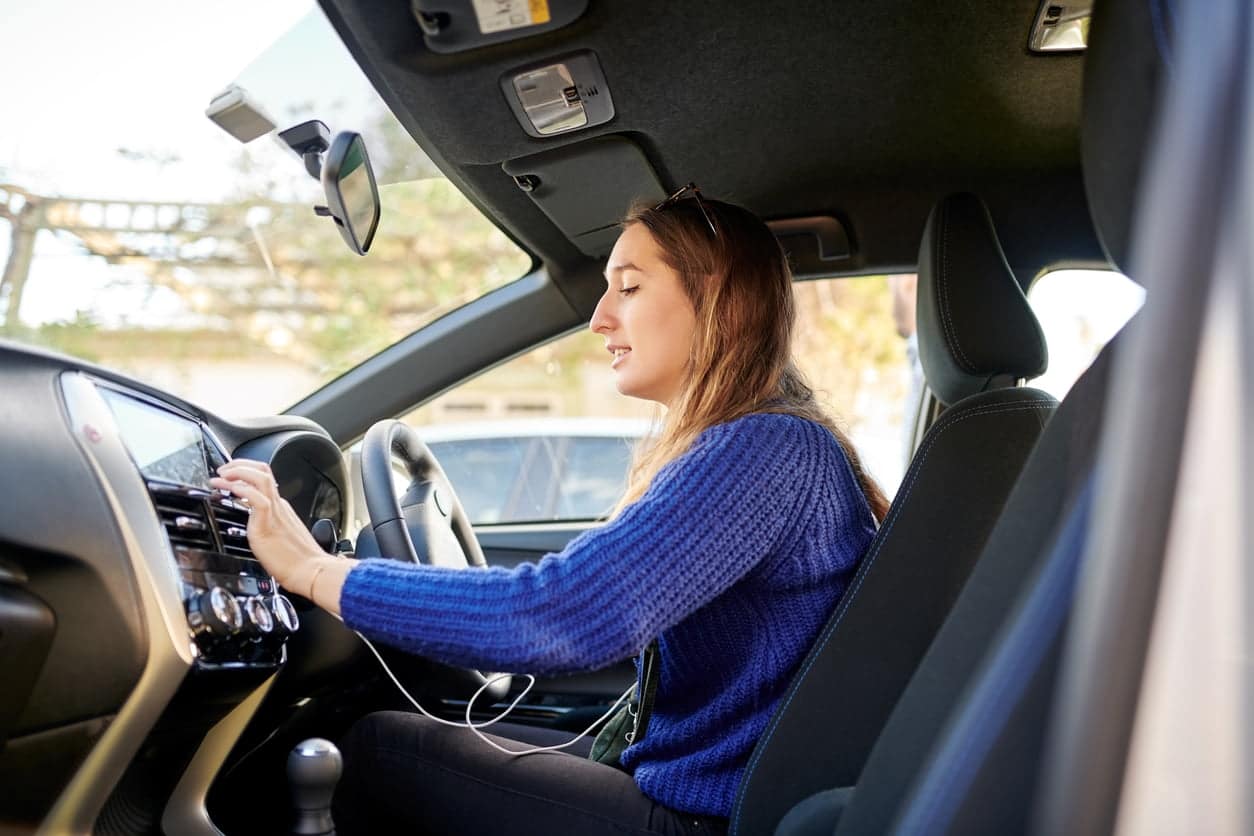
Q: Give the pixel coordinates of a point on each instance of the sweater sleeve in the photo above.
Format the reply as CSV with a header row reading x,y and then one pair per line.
x,y
708,517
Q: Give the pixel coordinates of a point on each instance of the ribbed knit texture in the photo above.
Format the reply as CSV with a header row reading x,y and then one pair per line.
x,y
733,559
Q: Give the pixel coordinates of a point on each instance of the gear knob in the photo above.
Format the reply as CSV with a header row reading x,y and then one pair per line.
x,y
313,769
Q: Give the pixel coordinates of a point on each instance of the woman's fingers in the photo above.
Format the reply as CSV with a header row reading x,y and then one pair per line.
x,y
278,537
248,467
244,489
255,474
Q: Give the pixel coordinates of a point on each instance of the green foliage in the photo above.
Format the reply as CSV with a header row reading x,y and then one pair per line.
x,y
78,337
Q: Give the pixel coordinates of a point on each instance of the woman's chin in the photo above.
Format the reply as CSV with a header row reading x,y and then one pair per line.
x,y
629,388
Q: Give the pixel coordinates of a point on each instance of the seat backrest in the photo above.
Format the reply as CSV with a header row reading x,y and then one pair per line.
x,y
1052,479
951,495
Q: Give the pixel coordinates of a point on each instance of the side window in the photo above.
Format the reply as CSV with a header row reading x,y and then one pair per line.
x,y
594,476
1079,311
855,342
542,438
487,500
547,438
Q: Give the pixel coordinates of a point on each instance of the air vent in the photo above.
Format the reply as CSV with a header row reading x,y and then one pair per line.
x,y
185,520
232,524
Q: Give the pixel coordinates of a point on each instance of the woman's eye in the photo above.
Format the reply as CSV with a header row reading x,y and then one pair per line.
x,y
627,291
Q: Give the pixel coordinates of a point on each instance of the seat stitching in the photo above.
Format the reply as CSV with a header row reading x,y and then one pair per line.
x,y
847,599
951,333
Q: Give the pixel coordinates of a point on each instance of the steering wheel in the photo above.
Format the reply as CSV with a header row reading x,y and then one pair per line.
x,y
427,524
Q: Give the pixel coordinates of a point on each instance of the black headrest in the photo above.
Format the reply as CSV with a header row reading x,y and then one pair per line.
x,y
976,330
1127,54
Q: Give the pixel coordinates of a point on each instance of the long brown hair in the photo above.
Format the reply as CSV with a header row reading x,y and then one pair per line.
x,y
740,286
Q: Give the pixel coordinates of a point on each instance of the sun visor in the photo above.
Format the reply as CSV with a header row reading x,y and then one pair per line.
x,y
585,189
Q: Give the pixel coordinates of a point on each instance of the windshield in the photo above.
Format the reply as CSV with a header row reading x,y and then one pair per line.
x,y
136,233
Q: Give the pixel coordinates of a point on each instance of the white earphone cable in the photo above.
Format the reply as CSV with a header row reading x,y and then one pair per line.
x,y
474,727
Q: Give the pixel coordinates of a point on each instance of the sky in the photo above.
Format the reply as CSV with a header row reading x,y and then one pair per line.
x,y
85,79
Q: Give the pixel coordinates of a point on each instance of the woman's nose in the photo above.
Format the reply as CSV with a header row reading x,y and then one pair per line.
x,y
603,316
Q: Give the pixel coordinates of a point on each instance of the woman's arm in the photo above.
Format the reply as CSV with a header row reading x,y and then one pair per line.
x,y
709,517
706,520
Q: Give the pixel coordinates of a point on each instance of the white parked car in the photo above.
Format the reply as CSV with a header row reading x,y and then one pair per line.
x,y
531,470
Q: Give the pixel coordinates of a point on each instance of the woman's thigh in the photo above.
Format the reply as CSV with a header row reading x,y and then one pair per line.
x,y
406,774
539,736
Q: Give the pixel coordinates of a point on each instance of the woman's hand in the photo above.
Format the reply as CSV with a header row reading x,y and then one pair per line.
x,y
276,534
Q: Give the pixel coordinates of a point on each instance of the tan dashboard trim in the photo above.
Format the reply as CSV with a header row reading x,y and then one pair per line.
x,y
169,651
185,812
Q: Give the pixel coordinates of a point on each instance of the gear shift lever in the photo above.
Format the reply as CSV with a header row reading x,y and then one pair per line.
x,y
313,769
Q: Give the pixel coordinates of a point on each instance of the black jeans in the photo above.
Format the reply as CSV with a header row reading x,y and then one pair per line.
x,y
406,774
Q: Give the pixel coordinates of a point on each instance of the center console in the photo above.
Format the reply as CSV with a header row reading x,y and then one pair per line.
x,y
236,617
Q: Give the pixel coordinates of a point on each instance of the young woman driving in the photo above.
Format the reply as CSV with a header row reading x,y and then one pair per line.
x,y
739,531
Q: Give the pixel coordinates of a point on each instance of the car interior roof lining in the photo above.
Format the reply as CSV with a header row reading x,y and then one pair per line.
x,y
941,112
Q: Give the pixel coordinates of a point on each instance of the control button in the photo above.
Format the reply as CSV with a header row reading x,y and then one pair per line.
x,y
216,612
260,619
265,585
285,615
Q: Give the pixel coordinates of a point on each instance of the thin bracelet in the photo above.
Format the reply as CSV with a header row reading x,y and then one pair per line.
x,y
314,580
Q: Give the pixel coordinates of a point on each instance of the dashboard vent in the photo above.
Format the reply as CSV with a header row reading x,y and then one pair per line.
x,y
185,520
232,525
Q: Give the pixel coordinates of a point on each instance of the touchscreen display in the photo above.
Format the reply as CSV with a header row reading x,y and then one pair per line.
x,y
165,446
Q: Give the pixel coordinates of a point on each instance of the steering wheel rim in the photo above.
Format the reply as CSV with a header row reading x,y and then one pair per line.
x,y
430,504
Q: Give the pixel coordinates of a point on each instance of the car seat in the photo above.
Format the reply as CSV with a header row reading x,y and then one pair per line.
x,y
977,339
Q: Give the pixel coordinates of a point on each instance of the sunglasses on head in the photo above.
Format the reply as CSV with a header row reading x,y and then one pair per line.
x,y
689,191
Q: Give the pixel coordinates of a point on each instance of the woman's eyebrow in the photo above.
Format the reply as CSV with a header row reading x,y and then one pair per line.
x,y
620,268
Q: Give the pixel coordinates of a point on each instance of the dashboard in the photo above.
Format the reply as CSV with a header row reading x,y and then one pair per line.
x,y
132,611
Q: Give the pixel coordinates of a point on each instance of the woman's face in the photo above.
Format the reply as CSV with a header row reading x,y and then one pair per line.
x,y
646,319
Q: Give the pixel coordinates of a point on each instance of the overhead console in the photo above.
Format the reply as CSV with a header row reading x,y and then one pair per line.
x,y
458,25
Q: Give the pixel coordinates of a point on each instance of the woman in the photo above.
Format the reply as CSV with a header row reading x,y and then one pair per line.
x,y
739,530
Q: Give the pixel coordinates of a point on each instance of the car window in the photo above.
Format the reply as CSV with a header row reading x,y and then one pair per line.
x,y
546,438
466,463
856,344
593,476
1079,311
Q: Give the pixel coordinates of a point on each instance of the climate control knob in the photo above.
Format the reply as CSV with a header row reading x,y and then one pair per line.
x,y
286,621
216,612
260,619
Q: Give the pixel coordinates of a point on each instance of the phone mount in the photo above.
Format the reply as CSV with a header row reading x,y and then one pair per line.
x,y
310,140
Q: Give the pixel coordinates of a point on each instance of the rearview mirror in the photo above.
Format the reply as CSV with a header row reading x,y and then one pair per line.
x,y
352,194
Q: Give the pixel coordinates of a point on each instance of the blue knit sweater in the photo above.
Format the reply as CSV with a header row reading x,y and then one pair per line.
x,y
733,558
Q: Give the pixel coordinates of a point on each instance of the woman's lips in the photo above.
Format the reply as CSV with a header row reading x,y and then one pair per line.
x,y
620,355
